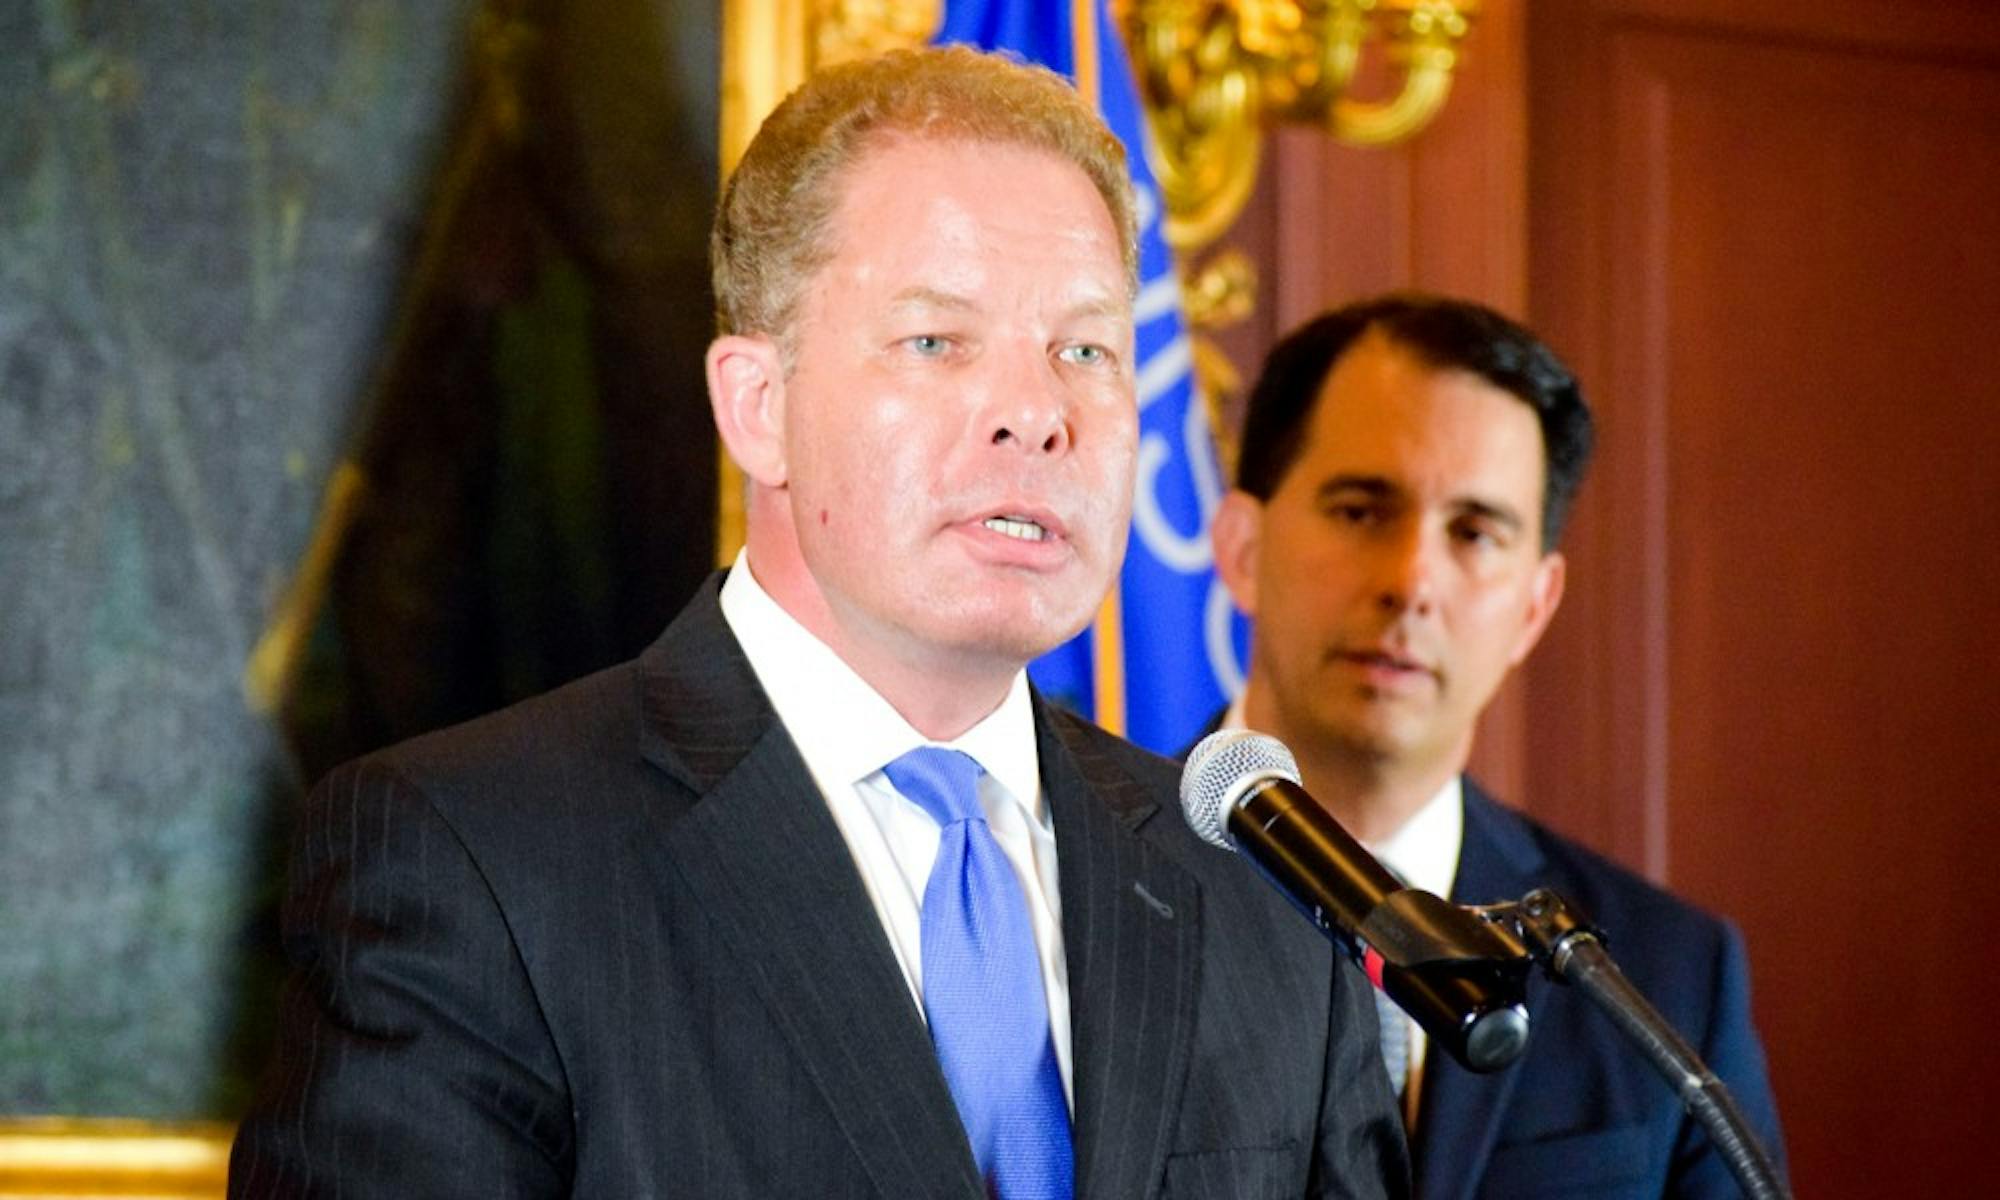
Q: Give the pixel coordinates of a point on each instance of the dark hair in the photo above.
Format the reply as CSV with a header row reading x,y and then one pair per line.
x,y
1441,333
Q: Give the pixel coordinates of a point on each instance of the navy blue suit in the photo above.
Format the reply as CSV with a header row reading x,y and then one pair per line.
x,y
1582,1114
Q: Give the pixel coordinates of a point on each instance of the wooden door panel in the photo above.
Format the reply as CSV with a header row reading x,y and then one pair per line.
x,y
1775,253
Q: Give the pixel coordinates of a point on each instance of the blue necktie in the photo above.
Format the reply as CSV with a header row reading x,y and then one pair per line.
x,y
983,993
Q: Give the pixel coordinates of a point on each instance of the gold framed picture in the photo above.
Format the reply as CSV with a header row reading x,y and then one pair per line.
x,y
72,1157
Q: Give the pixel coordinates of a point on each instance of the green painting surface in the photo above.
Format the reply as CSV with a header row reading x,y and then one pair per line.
x,y
211,216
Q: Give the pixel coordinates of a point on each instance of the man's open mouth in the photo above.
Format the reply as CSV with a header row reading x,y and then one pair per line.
x,y
1016,527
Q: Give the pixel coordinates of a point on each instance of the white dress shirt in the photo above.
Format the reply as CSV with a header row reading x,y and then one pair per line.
x,y
1424,852
847,733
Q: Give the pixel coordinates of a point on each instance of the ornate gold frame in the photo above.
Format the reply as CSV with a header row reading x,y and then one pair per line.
x,y
73,1158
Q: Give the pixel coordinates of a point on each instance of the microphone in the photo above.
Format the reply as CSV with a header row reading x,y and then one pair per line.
x,y
1462,978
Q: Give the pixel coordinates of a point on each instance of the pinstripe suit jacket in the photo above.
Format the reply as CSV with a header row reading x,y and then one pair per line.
x,y
610,943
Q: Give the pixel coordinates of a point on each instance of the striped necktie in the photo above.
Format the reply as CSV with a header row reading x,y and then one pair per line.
x,y
1395,1040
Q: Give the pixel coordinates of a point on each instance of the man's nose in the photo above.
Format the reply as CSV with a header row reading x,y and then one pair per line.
x,y
1406,571
1030,408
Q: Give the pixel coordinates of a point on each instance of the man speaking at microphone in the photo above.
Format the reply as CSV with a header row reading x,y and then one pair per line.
x,y
1405,467
816,898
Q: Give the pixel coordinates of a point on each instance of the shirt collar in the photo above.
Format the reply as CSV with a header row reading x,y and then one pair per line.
x,y
1425,850
843,728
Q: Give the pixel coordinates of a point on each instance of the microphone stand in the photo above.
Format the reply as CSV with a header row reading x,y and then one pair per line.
x,y
1570,952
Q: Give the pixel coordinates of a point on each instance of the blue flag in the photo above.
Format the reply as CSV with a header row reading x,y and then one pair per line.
x,y
1166,656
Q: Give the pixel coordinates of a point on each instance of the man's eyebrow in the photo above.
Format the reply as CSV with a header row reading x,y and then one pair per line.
x,y
931,298
1108,308
1374,486
924,298
1503,514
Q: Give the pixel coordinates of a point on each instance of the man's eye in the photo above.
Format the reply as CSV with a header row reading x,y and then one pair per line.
x,y
1476,535
1084,355
1352,514
929,345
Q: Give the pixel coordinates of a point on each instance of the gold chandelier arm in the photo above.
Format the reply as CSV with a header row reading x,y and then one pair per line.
x,y
1216,72
1426,86
1423,39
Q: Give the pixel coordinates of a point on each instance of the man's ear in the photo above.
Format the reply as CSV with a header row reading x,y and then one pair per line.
x,y
1237,534
746,391
1545,595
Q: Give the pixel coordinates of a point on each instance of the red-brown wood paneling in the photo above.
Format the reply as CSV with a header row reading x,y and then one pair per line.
x,y
1769,235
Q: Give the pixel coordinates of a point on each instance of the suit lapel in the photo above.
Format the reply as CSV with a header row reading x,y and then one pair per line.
x,y
1131,935
762,851
1459,1115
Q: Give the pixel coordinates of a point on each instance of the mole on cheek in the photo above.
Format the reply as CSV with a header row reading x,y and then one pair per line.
x,y
822,516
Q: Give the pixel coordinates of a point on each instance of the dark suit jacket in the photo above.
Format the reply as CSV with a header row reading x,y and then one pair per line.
x,y
1582,1114
610,943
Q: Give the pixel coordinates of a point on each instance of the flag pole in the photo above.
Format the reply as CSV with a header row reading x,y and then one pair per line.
x,y
1108,635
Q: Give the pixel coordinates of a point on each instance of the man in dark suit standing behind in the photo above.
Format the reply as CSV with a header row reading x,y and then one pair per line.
x,y
1406,464
816,898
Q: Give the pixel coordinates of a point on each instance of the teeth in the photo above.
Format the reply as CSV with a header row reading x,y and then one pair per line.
x,y
1026,530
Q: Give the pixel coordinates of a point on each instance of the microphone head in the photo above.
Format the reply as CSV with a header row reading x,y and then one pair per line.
x,y
1223,766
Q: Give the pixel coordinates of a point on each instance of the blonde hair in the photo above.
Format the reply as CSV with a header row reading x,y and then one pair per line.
x,y
772,225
